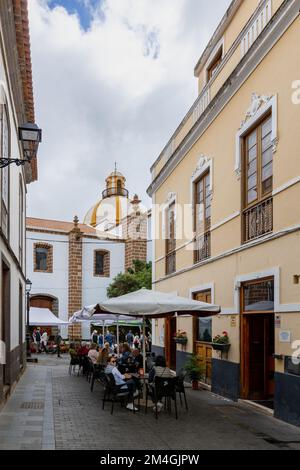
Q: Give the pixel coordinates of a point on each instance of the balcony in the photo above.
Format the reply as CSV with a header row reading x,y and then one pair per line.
x,y
114,192
202,250
258,220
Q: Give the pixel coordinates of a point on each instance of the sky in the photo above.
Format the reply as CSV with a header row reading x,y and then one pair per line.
x,y
112,81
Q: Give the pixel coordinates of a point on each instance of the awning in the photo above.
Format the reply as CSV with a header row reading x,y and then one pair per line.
x,y
44,317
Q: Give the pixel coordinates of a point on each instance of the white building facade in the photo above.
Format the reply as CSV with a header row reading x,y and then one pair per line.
x,y
16,109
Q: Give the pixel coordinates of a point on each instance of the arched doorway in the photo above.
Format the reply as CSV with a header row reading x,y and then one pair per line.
x,y
46,301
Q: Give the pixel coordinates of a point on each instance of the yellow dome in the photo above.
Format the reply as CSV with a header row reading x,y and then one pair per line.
x,y
114,205
108,212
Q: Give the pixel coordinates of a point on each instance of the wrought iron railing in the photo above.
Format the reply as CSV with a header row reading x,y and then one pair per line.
x,y
258,220
171,262
114,192
202,248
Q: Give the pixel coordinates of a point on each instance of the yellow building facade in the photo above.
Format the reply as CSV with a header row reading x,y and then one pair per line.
x,y
226,209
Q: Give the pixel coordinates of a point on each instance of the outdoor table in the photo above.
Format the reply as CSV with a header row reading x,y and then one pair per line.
x,y
144,379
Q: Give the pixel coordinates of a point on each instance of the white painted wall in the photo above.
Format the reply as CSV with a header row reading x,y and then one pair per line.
x,y
16,274
93,287
55,283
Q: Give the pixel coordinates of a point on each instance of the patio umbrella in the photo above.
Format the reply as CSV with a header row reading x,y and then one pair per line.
x,y
88,313
146,303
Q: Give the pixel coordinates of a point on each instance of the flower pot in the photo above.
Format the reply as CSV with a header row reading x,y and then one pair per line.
x,y
224,347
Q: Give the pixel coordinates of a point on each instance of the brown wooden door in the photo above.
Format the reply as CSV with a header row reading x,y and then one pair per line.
x,y
5,323
258,357
170,345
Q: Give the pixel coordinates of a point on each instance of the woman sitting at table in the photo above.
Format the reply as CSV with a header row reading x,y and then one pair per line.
x,y
124,381
93,353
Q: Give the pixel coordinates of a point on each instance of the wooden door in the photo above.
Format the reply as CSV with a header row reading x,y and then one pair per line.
x,y
170,345
258,361
5,322
203,349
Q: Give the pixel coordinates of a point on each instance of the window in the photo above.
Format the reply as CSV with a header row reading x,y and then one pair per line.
x,y
171,240
258,296
5,150
204,325
43,258
21,221
258,181
101,263
202,223
212,69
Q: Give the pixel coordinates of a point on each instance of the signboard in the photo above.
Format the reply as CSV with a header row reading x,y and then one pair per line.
x,y
285,336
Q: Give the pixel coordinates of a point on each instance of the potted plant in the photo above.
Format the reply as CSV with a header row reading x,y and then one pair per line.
x,y
221,342
181,337
194,370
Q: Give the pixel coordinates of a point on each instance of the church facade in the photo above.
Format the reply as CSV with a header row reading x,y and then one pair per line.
x,y
71,264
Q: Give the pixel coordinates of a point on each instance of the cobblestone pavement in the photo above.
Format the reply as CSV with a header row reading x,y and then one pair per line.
x,y
64,414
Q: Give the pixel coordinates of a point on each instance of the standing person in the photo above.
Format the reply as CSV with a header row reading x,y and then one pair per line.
x,y
100,340
44,341
94,337
58,340
149,341
136,341
109,338
129,338
38,340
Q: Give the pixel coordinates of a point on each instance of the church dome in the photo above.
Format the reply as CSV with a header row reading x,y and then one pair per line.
x,y
114,205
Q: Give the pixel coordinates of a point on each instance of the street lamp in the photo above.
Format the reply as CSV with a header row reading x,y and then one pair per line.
x,y
28,289
30,136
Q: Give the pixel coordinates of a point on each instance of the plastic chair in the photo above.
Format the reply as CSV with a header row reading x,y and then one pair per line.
x,y
180,386
113,392
162,388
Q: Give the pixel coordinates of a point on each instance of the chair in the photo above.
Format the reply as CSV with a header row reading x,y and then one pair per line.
x,y
162,388
97,370
74,361
113,392
89,369
180,386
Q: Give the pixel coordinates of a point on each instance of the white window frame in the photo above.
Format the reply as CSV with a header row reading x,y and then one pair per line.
x,y
264,109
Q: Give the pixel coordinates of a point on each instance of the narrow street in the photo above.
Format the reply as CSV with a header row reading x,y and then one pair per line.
x,y
50,409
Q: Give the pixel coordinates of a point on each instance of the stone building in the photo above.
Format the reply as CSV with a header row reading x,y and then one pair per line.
x,y
16,109
71,264
233,163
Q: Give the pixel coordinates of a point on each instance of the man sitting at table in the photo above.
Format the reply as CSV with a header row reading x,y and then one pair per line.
x,y
137,359
129,384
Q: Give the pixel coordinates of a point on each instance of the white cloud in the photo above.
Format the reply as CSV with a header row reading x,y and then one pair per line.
x,y
113,93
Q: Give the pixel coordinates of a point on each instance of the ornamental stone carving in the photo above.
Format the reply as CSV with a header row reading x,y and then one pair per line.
x,y
257,102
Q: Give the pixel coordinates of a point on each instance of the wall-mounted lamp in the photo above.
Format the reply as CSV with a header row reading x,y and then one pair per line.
x,y
30,137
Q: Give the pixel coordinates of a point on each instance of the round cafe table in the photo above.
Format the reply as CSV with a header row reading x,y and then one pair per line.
x,y
144,379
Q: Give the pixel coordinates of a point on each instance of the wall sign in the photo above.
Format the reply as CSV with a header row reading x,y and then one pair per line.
x,y
284,336
277,321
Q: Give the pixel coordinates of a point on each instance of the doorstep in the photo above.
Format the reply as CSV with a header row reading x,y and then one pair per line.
x,y
257,406
205,386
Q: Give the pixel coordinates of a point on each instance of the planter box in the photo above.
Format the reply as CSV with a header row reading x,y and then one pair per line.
x,y
221,347
180,340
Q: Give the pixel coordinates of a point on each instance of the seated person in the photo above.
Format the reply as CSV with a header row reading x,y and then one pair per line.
x,y
160,370
137,359
125,353
124,381
93,353
83,350
103,356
